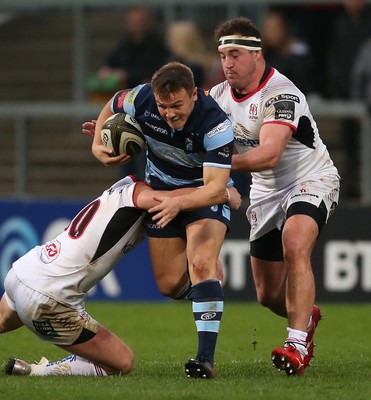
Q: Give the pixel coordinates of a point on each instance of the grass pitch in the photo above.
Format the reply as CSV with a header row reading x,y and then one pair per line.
x,y
163,337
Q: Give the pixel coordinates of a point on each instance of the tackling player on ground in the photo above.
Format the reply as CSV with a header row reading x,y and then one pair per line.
x,y
295,185
46,288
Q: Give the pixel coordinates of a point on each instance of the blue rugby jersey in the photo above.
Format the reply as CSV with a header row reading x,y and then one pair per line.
x,y
176,158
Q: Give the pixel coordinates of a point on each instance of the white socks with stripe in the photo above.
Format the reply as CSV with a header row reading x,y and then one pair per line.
x,y
71,365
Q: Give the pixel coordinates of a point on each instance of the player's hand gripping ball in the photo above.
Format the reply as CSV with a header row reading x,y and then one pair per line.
x,y
122,134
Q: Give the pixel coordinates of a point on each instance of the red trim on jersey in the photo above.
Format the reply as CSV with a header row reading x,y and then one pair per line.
x,y
133,178
261,85
294,128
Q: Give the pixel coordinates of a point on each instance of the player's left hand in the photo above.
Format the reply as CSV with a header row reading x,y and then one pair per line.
x,y
88,127
165,211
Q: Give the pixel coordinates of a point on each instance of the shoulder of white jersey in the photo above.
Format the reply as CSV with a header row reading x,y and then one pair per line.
x,y
218,89
282,82
128,180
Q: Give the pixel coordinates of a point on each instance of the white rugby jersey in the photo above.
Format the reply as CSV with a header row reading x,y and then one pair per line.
x,y
277,100
99,235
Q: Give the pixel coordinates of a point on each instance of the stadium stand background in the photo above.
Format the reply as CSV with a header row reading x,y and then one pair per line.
x,y
47,50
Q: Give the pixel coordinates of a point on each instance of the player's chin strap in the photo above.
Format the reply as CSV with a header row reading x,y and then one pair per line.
x,y
246,42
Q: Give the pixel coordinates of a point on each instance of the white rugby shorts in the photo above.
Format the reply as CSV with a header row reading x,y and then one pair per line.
x,y
48,319
268,211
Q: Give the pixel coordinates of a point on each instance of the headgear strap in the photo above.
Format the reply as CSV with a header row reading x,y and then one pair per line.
x,y
247,42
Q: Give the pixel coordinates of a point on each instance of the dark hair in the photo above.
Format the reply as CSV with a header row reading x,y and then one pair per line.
x,y
236,26
172,78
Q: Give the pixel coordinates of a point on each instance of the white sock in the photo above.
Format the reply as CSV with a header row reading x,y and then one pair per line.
x,y
297,339
39,368
71,365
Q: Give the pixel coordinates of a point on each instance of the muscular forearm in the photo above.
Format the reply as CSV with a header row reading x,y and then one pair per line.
x,y
146,198
202,197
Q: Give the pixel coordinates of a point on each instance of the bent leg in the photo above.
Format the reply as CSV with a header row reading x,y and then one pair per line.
x,y
270,283
9,319
103,354
169,263
105,350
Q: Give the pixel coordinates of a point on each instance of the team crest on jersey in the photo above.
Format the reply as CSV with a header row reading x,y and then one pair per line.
x,y
253,219
253,111
188,145
50,251
243,136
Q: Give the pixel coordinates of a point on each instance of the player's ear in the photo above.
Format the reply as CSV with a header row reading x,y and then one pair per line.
x,y
258,54
194,94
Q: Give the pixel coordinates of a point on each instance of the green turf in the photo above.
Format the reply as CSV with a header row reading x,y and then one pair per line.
x,y
163,337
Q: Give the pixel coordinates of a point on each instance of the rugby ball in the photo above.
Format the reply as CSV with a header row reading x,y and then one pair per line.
x,y
122,134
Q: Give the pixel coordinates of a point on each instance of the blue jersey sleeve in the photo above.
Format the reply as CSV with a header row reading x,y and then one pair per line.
x,y
124,101
218,143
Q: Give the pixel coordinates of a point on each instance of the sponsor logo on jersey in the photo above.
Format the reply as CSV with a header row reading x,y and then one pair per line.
x,y
219,128
50,251
121,97
149,114
153,226
208,315
225,153
282,97
45,328
305,193
285,110
214,208
157,129
241,136
131,96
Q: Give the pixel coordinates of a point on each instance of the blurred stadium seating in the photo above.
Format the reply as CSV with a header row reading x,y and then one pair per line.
x,y
48,48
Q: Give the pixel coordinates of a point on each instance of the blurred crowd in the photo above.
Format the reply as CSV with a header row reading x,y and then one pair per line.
x,y
325,49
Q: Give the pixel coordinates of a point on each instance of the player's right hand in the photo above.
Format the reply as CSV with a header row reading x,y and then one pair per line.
x,y
235,200
107,157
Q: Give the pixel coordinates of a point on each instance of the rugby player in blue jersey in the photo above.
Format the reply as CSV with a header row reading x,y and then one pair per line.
x,y
189,144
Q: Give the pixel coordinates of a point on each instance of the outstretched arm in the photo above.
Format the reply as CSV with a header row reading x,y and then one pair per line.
x,y
147,198
213,192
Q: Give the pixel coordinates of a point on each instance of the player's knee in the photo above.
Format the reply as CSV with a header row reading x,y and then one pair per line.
x,y
203,268
267,298
127,363
172,286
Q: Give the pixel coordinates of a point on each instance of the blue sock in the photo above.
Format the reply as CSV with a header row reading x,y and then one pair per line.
x,y
207,307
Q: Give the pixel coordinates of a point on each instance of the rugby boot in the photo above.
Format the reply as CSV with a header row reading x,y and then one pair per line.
x,y
288,359
201,368
316,317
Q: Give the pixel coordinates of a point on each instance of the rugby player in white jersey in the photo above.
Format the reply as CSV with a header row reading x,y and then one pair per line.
x,y
46,288
295,185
